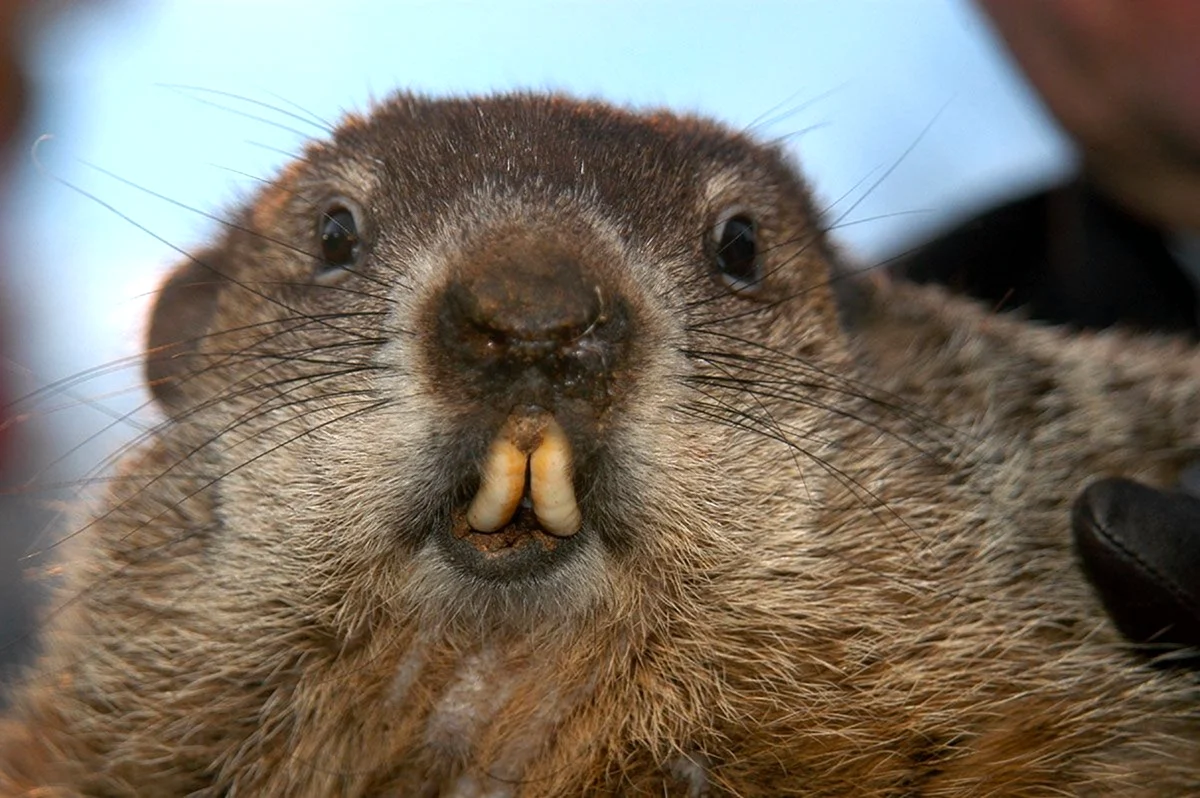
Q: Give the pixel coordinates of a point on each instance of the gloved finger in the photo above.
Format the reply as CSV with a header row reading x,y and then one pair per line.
x,y
1140,547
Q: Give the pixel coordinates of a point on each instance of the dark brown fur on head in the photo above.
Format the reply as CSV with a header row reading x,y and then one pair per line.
x,y
821,552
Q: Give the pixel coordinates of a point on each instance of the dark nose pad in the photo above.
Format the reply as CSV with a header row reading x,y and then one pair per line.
x,y
529,307
528,323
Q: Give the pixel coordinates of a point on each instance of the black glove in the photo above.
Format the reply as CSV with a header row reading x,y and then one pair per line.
x,y
1140,547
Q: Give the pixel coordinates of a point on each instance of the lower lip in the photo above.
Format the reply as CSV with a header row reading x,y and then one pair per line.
x,y
522,531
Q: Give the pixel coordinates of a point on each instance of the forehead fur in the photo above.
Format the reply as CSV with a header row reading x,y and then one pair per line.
x,y
555,142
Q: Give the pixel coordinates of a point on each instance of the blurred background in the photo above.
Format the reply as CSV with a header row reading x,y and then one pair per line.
x,y
905,114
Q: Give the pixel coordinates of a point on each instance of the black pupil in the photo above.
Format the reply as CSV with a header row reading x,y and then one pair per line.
x,y
737,252
339,237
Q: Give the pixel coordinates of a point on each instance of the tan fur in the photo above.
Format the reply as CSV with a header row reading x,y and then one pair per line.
x,y
837,561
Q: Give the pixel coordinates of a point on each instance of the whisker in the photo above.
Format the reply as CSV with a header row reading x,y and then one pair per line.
x,y
191,91
308,117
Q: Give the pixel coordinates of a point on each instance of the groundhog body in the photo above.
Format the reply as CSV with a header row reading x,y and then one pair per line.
x,y
520,446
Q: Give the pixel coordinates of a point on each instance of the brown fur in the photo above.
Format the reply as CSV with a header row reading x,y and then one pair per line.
x,y
828,548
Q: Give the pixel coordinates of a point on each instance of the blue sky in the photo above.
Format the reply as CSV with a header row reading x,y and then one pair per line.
x,y
853,85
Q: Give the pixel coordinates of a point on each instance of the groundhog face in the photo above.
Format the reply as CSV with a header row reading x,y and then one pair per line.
x,y
497,358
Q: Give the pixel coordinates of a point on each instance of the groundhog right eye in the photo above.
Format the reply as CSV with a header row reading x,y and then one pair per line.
x,y
339,237
737,254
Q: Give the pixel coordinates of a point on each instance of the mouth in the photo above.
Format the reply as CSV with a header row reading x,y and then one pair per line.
x,y
524,517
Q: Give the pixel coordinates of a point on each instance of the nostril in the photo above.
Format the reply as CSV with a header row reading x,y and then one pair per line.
x,y
494,340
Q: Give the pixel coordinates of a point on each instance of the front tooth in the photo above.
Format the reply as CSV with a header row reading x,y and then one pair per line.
x,y
502,488
550,483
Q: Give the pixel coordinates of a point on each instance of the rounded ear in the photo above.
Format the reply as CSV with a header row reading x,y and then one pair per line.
x,y
182,315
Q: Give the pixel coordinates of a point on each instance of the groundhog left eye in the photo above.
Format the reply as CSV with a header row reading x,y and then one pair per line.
x,y
736,252
338,230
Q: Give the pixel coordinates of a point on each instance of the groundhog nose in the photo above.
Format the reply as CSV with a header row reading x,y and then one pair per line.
x,y
531,320
528,302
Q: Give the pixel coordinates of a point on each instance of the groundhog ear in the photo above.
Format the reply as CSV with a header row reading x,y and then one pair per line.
x,y
183,313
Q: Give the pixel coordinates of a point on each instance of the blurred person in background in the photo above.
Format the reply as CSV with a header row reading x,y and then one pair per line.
x,y
24,511
15,602
1120,243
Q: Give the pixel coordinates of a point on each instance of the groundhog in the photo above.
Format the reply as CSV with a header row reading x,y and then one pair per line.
x,y
522,446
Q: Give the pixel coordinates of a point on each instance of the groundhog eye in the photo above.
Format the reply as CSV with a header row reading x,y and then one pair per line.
x,y
736,251
339,237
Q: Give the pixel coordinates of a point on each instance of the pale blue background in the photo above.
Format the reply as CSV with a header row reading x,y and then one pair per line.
x,y
854,85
